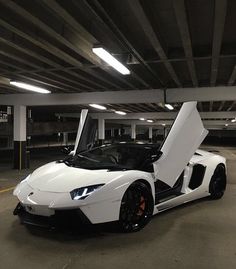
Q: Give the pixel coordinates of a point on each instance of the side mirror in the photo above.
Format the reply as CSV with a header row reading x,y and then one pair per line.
x,y
66,150
155,157
148,164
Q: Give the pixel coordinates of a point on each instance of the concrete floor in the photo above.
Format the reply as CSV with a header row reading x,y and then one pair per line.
x,y
198,235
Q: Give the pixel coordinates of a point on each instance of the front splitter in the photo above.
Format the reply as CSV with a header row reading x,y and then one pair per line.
x,y
61,219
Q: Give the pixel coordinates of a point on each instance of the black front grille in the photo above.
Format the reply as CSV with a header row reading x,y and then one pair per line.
x,y
61,218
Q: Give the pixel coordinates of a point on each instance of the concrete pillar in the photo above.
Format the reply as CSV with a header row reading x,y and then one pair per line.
x,y
101,130
126,130
9,114
133,131
10,120
29,119
9,111
19,128
112,135
112,132
29,114
65,139
150,133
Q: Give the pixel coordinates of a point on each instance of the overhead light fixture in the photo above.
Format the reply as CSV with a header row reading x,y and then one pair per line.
x,y
141,119
98,106
29,87
163,124
233,120
170,107
112,61
149,120
120,112
226,124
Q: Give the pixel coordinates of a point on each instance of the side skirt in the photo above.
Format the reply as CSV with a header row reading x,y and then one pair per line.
x,y
179,200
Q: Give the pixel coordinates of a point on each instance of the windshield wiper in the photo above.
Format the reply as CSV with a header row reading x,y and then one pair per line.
x,y
87,158
117,169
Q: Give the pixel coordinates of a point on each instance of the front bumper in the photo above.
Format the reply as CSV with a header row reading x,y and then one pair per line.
x,y
99,208
61,218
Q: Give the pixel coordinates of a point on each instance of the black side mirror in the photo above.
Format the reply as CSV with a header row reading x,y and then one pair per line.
x,y
151,159
155,157
66,150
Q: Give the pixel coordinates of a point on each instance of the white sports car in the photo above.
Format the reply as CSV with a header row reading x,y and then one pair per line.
x,y
124,182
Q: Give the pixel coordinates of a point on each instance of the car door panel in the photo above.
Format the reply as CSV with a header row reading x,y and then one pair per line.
x,y
86,133
185,136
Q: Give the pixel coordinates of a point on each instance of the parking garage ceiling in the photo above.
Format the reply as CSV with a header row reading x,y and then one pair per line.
x,y
165,44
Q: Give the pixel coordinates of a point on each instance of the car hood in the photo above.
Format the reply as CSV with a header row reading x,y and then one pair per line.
x,y
58,177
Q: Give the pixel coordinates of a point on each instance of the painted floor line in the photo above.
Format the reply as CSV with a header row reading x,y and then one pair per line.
x,y
7,189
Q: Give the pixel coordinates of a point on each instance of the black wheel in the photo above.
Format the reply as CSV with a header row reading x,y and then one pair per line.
x,y
218,183
136,207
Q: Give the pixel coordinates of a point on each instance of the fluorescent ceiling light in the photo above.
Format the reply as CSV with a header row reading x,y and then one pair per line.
x,y
120,112
233,120
29,87
149,120
226,124
163,124
170,107
141,119
108,58
98,106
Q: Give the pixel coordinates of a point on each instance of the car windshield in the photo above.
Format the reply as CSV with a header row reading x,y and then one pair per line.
x,y
114,157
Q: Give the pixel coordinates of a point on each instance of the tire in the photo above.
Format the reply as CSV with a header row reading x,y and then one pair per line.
x,y
136,207
218,183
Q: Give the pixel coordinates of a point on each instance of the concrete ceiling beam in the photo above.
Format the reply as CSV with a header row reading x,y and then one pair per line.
x,y
221,93
150,115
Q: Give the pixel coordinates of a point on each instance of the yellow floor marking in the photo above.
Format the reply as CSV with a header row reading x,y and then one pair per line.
x,y
8,189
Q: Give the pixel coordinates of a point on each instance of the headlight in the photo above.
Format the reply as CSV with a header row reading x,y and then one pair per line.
x,y
82,193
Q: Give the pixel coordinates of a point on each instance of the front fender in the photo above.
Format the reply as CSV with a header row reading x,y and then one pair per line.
x,y
104,205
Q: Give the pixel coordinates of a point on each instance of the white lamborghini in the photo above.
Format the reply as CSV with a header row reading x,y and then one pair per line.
x,y
124,182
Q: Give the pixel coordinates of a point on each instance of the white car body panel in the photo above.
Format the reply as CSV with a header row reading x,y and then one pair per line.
x,y
83,116
207,159
48,188
104,205
105,202
185,136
